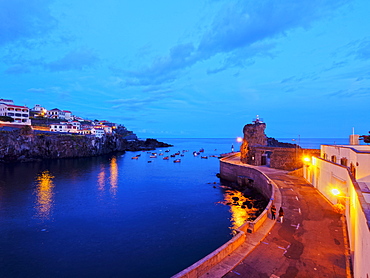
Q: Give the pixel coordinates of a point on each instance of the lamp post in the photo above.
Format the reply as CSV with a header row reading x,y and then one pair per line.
x,y
340,205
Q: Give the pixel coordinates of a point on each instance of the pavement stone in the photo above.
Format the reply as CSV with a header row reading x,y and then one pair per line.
x,y
311,241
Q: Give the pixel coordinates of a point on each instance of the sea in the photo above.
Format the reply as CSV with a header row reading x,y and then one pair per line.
x,y
130,214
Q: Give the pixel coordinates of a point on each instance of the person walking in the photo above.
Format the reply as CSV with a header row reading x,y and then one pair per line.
x,y
281,214
273,212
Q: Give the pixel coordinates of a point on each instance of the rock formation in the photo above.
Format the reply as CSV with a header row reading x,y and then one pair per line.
x,y
254,135
24,145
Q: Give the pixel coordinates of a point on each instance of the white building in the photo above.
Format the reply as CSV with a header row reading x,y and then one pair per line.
x,y
342,175
98,132
39,110
56,114
72,127
20,114
61,127
67,115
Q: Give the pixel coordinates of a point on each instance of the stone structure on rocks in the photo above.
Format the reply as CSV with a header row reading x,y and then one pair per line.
x,y
254,135
257,149
25,145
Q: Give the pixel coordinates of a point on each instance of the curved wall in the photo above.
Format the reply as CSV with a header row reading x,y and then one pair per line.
x,y
235,173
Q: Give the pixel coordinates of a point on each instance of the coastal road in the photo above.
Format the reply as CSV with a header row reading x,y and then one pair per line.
x,y
310,242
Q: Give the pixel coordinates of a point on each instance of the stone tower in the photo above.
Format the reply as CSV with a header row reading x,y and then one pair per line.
x,y
254,135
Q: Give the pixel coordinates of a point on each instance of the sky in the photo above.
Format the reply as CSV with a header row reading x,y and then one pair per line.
x,y
194,68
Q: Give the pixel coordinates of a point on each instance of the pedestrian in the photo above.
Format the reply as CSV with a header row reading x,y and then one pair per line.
x,y
281,214
273,212
232,148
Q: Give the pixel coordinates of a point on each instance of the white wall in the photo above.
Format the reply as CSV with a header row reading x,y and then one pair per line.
x,y
325,176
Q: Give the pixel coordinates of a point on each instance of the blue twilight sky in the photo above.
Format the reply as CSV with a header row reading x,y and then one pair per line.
x,y
194,68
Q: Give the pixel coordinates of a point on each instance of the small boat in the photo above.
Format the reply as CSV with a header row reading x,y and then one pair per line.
x,y
166,158
167,151
201,150
161,154
135,157
173,155
149,161
204,157
153,156
177,160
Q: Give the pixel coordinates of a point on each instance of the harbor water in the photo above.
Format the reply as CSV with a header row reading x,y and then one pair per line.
x,y
115,216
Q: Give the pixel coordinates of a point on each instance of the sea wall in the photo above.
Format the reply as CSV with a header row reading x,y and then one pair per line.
x,y
234,173
18,145
242,173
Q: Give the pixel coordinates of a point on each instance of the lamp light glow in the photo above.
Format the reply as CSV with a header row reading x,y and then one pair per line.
x,y
335,191
306,159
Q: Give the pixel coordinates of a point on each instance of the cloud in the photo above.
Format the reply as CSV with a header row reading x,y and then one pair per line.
x,y
164,69
235,32
137,104
363,49
36,90
17,69
74,60
24,19
361,92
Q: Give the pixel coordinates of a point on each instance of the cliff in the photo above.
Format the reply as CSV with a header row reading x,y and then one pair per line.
x,y
24,145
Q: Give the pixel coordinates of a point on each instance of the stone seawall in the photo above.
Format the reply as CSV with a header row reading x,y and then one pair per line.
x,y
15,146
240,174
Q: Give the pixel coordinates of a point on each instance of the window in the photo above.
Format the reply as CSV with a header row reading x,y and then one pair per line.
x,y
334,158
344,161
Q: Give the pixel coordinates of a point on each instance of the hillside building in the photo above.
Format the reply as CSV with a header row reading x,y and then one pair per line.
x,y
20,114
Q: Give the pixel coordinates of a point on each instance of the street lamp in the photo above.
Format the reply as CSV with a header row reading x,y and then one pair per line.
x,y
335,191
341,199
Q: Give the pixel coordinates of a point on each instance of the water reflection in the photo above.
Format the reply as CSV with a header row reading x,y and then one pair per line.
x,y
241,208
101,179
113,176
112,179
44,193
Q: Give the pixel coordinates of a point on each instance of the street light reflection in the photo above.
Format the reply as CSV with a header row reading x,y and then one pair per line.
x,y
241,208
44,193
113,176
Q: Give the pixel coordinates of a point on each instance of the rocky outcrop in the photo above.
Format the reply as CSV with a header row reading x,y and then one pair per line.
x,y
20,146
254,135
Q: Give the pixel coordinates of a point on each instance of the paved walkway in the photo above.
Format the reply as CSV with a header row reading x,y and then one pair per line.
x,y
310,242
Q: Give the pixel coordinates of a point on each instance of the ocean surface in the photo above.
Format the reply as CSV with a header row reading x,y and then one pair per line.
x,y
114,216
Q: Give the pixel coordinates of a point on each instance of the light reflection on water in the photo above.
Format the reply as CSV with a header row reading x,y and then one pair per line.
x,y
44,195
240,212
113,177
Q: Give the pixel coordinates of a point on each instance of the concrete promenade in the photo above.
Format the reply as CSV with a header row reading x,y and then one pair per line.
x,y
311,241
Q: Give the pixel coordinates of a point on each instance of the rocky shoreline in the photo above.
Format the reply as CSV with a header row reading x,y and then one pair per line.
x,y
21,146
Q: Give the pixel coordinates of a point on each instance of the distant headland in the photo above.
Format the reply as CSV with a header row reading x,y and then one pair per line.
x,y
35,134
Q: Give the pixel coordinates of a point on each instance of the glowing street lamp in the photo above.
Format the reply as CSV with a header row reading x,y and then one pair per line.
x,y
335,191
306,159
239,139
